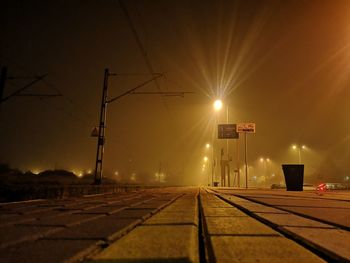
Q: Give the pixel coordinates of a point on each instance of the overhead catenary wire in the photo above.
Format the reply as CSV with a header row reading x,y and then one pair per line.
x,y
65,112
146,59
141,48
31,75
42,98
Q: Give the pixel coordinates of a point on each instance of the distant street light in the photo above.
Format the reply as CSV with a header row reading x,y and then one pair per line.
x,y
299,148
265,161
207,146
205,158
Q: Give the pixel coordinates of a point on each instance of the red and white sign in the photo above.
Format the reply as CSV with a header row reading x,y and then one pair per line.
x,y
246,127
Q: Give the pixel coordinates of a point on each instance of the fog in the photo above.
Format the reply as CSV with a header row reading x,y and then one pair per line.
x,y
283,65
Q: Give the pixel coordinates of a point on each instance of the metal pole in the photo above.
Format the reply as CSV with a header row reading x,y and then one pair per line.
x,y
228,157
213,171
214,155
237,163
101,132
227,139
246,162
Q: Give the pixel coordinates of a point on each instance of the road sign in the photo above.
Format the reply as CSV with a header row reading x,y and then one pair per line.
x,y
246,127
227,131
94,132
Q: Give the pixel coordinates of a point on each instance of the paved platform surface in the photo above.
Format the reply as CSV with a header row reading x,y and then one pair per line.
x,y
184,224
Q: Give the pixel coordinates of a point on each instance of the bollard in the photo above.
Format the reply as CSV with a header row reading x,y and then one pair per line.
x,y
294,176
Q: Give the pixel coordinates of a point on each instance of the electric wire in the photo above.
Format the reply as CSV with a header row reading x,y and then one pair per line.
x,y
141,48
53,87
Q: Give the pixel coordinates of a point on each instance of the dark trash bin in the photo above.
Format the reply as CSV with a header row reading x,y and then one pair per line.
x,y
294,176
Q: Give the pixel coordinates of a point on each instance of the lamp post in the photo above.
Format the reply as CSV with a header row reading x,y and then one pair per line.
x,y
299,148
218,104
217,107
265,162
210,147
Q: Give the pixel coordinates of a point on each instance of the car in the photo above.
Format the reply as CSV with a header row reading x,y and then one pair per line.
x,y
331,186
278,186
309,187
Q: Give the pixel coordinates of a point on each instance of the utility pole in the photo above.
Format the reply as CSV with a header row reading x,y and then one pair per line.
x,y
101,138
101,131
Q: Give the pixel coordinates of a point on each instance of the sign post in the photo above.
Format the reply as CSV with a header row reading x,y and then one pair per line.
x,y
245,128
226,131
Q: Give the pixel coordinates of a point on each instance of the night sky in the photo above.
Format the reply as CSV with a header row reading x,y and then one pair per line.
x,y
284,65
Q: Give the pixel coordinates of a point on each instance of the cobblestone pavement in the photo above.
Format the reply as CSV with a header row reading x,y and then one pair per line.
x,y
183,224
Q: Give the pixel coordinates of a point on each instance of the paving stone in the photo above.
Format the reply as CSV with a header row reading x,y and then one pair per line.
x,y
15,219
259,249
152,205
117,204
114,203
333,240
236,226
7,211
135,202
31,210
254,207
83,206
188,204
46,251
16,234
67,209
167,198
332,215
15,205
102,228
257,208
50,213
102,210
64,220
217,204
51,205
93,203
292,220
235,198
222,211
154,243
134,213
305,202
175,217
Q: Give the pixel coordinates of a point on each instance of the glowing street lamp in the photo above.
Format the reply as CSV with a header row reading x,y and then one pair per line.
x,y
299,148
217,105
207,146
265,162
205,158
